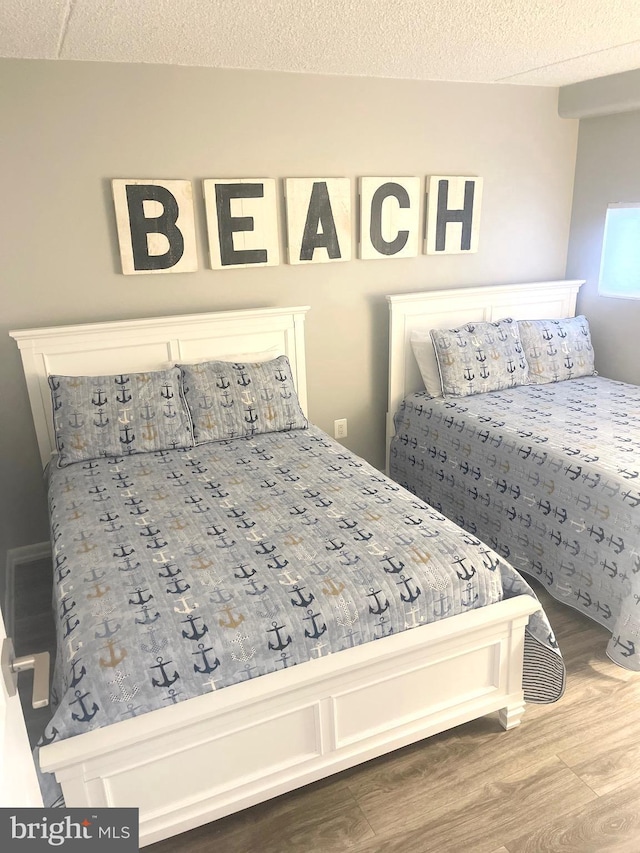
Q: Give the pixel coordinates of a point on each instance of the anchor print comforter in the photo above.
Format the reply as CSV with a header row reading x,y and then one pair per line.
x,y
549,477
181,572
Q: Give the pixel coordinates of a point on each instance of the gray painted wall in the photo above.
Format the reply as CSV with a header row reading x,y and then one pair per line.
x,y
607,170
70,127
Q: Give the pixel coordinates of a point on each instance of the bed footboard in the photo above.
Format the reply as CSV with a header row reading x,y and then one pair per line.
x,y
199,760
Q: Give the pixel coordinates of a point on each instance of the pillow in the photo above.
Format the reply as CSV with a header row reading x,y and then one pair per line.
x,y
98,416
423,350
480,357
232,399
254,357
557,349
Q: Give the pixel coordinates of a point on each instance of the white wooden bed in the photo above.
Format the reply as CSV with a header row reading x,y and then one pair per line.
x,y
444,309
195,761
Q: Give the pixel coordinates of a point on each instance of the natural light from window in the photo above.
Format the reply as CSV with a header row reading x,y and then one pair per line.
x,y
620,263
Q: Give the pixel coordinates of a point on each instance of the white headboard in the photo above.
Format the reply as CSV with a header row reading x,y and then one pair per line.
x,y
440,309
133,346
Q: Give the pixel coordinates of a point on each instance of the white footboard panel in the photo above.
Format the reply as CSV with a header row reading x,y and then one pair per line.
x,y
207,757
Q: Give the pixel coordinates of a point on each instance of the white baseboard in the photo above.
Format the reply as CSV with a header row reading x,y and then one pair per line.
x,y
17,557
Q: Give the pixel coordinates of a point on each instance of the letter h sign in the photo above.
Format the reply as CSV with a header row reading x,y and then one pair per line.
x,y
453,214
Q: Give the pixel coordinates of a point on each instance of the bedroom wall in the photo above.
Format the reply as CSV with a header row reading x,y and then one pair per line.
x,y
607,170
70,127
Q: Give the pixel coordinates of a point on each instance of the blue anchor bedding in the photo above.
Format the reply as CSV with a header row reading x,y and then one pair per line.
x,y
182,571
549,477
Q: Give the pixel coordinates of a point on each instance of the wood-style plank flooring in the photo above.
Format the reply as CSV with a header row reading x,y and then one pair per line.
x,y
567,780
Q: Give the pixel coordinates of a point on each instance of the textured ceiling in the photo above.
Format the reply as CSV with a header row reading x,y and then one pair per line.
x,y
536,42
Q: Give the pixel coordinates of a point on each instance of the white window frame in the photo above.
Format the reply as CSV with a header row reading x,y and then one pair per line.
x,y
608,289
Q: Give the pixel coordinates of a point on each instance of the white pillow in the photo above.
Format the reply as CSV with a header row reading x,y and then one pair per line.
x,y
422,347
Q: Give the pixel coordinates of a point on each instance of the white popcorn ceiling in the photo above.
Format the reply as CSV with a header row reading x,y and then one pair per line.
x,y
535,42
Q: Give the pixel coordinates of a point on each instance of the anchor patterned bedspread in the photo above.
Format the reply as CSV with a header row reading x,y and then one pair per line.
x,y
184,571
549,477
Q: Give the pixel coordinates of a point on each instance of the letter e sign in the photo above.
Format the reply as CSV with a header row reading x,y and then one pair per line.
x,y
156,228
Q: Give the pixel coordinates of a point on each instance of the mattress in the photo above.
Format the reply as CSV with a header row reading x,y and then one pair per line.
x,y
549,477
181,572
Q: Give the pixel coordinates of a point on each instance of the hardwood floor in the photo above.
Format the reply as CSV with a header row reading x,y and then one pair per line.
x,y
567,780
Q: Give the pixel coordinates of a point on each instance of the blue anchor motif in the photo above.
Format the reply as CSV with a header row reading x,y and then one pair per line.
x,y
207,665
244,574
147,618
628,648
142,599
87,713
463,572
77,676
467,600
302,600
68,627
604,609
46,739
243,379
280,644
441,608
108,630
167,680
412,594
317,632
255,588
393,567
196,633
65,610
379,608
179,587
122,396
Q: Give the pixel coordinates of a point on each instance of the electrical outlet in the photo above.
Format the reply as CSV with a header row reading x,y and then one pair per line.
x,y
340,428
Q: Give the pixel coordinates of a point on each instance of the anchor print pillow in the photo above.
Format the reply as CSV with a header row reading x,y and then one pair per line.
x,y
119,415
233,399
480,357
557,349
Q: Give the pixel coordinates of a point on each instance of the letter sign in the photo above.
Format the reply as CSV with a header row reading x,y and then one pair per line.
x,y
453,214
155,225
389,217
242,222
318,219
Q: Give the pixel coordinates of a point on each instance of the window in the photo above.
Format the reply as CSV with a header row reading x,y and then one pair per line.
x,y
620,263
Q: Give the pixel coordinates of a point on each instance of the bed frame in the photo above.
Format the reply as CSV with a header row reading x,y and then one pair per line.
x,y
201,759
444,309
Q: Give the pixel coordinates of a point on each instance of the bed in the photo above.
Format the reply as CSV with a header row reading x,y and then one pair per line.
x,y
545,471
166,557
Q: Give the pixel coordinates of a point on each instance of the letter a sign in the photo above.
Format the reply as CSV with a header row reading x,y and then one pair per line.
x,y
155,223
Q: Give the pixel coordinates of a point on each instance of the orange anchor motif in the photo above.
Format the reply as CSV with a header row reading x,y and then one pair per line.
x,y
421,556
99,591
270,414
113,659
178,524
331,589
290,539
208,423
149,432
76,515
232,621
201,564
85,548
77,443
370,515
